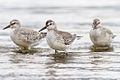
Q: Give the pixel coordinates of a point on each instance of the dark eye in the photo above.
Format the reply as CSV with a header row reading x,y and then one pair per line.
x,y
49,23
13,23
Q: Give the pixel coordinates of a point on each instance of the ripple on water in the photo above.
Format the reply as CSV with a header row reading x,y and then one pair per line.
x,y
41,63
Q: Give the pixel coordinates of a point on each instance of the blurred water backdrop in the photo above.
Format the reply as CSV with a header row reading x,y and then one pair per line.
x,y
75,16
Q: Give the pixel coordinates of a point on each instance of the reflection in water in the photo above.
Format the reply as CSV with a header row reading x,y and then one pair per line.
x,y
32,51
51,66
60,57
56,60
97,60
81,63
20,55
16,58
101,49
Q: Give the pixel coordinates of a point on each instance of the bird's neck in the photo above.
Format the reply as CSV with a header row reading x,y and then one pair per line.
x,y
15,28
52,29
96,26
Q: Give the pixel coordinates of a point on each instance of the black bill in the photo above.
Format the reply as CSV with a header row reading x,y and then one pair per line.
x,y
6,27
42,28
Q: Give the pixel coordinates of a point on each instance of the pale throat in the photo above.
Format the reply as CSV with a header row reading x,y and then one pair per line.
x,y
95,26
15,27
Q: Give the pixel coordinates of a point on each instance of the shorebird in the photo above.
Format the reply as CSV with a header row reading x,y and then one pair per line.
x,y
57,40
99,35
23,37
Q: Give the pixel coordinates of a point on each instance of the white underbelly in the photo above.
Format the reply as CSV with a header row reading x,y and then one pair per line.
x,y
54,42
17,41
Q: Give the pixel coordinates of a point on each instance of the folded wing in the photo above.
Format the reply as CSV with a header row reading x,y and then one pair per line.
x,y
67,37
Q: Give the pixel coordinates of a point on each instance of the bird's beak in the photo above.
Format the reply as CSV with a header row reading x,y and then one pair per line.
x,y
43,28
6,27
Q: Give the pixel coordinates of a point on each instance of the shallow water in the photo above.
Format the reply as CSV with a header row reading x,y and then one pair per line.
x,y
80,63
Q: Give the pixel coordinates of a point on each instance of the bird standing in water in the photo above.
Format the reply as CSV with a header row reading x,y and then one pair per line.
x,y
99,35
23,37
57,40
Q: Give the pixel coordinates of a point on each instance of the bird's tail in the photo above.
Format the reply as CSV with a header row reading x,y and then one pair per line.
x,y
114,36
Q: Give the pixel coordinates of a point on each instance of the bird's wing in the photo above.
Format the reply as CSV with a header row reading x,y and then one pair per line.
x,y
29,35
67,37
109,32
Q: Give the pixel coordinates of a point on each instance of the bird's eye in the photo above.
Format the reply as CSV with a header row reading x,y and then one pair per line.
x,y
50,24
13,23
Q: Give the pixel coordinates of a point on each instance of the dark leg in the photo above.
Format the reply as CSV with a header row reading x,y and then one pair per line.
x,y
56,51
66,52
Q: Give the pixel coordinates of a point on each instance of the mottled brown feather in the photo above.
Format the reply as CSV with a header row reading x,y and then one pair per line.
x,y
67,37
28,35
108,31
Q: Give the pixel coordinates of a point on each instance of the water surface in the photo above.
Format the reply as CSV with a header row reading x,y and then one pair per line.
x,y
74,16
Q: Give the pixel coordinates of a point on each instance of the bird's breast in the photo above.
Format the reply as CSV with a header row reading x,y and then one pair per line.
x,y
54,41
12,35
51,37
95,33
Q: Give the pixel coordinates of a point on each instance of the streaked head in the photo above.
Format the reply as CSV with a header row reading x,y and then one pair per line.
x,y
96,22
50,25
13,24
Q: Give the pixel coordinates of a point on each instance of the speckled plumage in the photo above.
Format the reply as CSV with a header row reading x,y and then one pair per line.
x,y
23,37
58,40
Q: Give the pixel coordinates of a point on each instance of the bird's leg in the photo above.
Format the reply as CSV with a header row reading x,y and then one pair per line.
x,y
66,52
24,50
29,47
21,48
56,51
